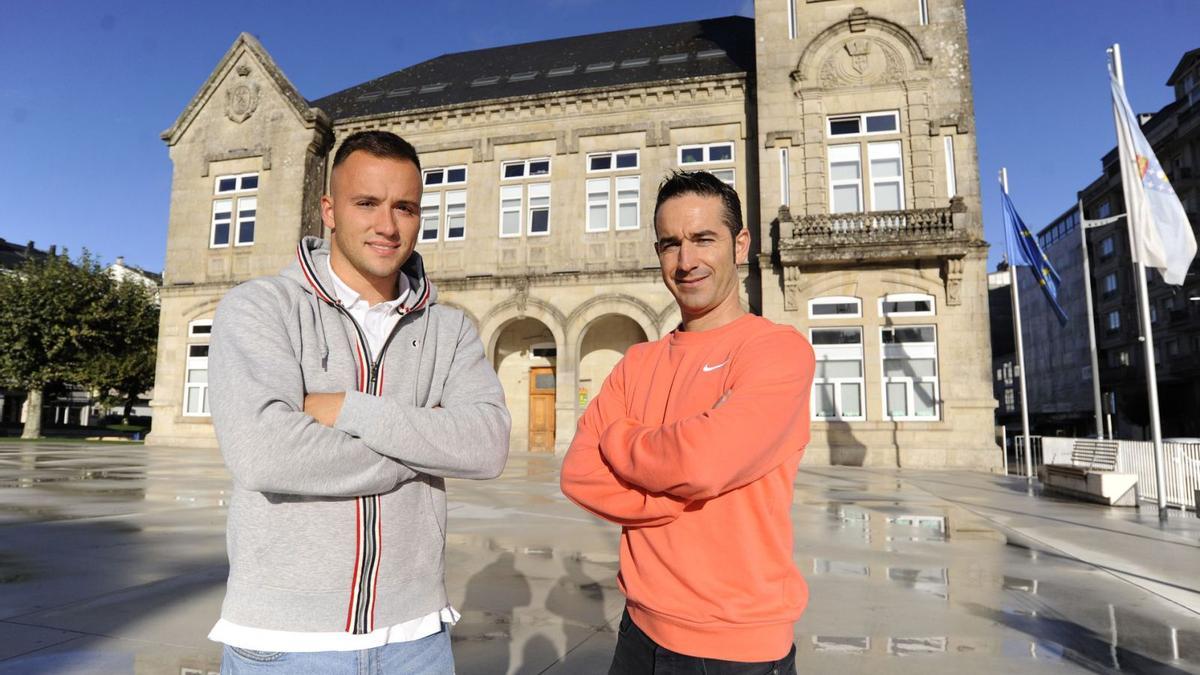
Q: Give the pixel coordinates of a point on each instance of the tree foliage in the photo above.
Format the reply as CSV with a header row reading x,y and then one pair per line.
x,y
64,321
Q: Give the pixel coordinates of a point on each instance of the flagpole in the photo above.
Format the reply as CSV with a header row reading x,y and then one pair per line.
x,y
1087,294
1016,302
1160,478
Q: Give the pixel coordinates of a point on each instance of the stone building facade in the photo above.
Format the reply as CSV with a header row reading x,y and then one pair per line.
x,y
541,162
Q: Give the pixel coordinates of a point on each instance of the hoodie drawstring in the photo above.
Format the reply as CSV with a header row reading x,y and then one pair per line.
x,y
316,306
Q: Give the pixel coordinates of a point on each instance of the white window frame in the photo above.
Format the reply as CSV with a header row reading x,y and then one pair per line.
x,y
625,201
594,197
212,228
785,177
198,323
840,352
530,209
910,351
525,175
612,155
886,147
707,153
908,297
839,183
519,210
835,300
238,221
862,124
447,195
445,171
195,363
719,173
951,169
240,178
433,202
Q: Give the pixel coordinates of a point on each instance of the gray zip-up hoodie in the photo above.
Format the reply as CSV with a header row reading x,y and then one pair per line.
x,y
344,528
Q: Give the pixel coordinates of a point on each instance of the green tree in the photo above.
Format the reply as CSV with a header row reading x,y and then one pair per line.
x,y
53,318
124,366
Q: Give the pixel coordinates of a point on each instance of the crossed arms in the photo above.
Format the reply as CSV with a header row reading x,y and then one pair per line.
x,y
640,475
271,444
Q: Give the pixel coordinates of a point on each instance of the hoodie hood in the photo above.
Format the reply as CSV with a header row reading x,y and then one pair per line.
x,y
311,271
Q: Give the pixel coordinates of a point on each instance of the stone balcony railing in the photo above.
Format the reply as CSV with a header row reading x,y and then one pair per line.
x,y
823,238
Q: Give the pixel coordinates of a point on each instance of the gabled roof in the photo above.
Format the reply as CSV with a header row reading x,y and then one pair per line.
x,y
641,55
1184,63
245,41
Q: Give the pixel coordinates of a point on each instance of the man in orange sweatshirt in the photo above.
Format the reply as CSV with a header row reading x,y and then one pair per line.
x,y
692,447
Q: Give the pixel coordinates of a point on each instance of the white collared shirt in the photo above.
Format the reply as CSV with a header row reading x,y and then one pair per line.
x,y
377,321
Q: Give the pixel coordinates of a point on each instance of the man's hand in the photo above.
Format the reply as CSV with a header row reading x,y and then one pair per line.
x,y
324,408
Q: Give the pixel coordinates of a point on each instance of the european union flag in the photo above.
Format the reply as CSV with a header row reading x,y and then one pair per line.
x,y
1023,249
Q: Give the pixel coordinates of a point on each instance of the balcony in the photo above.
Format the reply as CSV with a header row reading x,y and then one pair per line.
x,y
877,236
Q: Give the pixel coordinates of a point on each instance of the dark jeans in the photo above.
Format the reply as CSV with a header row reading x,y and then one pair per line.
x,y
637,654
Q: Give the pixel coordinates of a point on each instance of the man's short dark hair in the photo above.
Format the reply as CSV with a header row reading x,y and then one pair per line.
x,y
382,144
705,184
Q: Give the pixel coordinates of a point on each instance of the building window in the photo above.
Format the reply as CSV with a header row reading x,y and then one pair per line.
x,y
227,223
1009,372
528,203
845,179
951,170
525,168
1153,313
600,191
923,9
1107,247
838,384
864,123
1010,403
1110,283
906,304
785,178
201,328
693,156
1104,210
195,392
438,202
1114,320
887,183
910,372
832,306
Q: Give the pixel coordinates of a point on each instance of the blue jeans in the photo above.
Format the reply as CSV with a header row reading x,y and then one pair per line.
x,y
427,656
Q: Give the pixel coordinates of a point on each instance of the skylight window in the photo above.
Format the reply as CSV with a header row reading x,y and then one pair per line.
x,y
598,67
522,77
672,58
370,96
560,71
403,91
485,81
433,88
635,63
710,53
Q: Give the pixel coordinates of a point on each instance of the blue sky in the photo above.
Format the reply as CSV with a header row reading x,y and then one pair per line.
x,y
87,86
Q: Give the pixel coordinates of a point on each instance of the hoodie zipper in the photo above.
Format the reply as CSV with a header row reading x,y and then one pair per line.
x,y
375,363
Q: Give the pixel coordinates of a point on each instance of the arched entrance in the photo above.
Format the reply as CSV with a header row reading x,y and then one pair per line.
x,y
604,343
526,360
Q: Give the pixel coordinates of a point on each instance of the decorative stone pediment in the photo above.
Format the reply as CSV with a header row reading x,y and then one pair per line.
x,y
861,61
861,50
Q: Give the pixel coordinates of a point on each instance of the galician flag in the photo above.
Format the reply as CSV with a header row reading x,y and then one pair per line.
x,y
1159,230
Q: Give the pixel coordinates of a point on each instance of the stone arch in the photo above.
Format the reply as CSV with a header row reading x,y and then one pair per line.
x,y
520,359
601,344
612,303
809,64
513,309
669,318
200,310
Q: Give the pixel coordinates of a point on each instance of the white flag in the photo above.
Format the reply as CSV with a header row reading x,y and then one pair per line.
x,y
1159,228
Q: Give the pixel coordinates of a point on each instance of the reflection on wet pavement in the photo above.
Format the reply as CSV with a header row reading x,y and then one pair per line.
x,y
112,560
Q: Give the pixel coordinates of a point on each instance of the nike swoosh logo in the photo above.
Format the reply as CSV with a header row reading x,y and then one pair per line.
x,y
709,369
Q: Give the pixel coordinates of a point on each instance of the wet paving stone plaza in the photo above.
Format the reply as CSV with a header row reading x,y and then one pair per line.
x,y
112,560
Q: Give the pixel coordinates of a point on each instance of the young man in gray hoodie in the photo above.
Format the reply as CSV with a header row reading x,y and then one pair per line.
x,y
343,395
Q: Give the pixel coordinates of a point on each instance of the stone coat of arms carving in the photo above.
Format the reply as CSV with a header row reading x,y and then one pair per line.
x,y
241,100
861,61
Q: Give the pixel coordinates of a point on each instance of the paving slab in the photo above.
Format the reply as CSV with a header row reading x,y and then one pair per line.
x,y
112,560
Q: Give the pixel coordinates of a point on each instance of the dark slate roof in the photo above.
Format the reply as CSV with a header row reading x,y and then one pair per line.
x,y
14,255
640,55
1184,64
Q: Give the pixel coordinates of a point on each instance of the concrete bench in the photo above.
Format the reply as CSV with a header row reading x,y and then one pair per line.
x,y
1092,475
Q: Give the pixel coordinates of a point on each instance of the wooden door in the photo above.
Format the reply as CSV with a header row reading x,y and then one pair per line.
x,y
541,410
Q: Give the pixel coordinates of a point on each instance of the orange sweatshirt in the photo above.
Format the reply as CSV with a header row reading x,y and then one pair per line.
x,y
703,494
